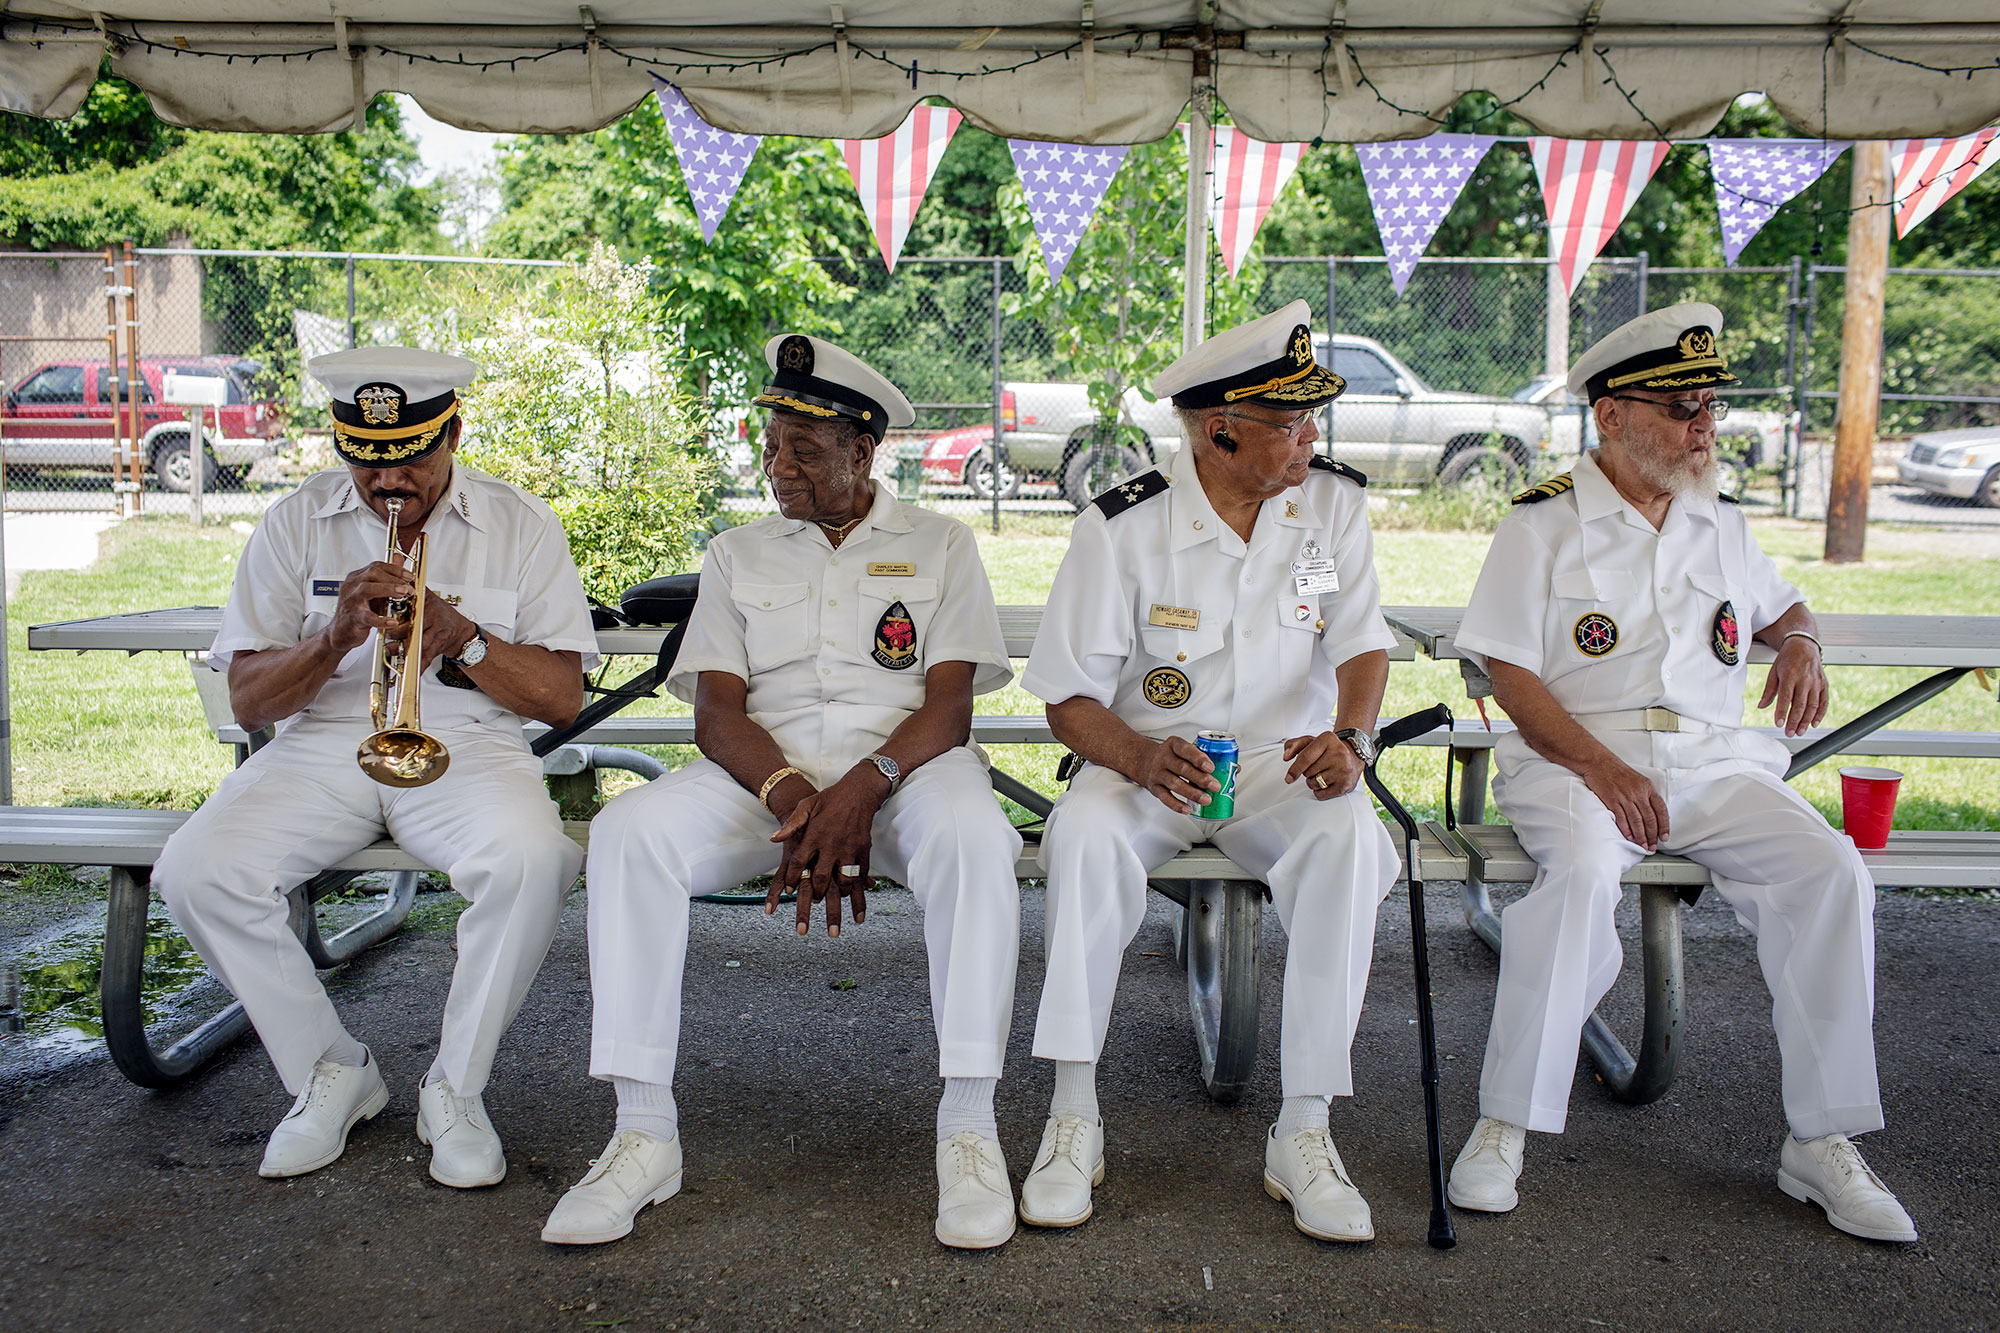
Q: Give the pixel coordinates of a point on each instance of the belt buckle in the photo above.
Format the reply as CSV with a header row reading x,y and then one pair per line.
x,y
1661,719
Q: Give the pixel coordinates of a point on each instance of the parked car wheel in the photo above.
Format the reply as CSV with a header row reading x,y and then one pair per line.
x,y
175,471
979,476
1988,493
1097,468
1489,465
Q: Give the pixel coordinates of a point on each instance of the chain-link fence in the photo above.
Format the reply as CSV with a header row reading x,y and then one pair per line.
x,y
1450,380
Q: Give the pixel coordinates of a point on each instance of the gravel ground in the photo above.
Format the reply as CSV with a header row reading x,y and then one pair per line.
x,y
806,1112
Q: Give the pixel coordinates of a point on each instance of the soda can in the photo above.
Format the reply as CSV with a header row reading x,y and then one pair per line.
x,y
1220,747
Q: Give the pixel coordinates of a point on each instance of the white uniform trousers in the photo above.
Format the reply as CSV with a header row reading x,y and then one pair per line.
x,y
301,804
697,831
1328,863
1799,886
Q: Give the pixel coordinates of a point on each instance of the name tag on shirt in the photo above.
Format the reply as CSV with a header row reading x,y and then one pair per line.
x,y
1173,617
326,588
1312,577
892,568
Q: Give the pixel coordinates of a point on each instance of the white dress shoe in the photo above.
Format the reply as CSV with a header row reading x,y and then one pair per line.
x,y
634,1170
975,1199
314,1132
1482,1179
1069,1162
465,1151
1305,1170
1829,1172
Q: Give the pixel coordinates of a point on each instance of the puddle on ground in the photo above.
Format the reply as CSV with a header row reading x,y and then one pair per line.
x,y
60,972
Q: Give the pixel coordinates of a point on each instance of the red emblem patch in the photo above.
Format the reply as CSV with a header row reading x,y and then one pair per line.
x,y
1724,639
896,638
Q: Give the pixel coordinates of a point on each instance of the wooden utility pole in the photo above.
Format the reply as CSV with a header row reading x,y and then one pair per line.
x,y
1860,353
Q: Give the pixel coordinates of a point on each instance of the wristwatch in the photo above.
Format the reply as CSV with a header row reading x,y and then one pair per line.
x,y
473,653
1360,742
889,769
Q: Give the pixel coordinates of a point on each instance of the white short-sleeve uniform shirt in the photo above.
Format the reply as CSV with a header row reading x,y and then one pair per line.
x,y
1165,616
1613,615
834,642
496,549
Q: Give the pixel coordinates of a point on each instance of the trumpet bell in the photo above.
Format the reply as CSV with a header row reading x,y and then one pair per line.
x,y
403,757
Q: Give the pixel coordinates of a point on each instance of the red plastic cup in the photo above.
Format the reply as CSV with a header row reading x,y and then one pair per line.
x,y
1868,805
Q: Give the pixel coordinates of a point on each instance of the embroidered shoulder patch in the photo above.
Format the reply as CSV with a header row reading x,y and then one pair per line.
x,y
1136,491
1339,469
1548,490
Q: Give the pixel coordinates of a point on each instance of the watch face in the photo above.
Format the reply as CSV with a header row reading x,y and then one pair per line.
x,y
474,652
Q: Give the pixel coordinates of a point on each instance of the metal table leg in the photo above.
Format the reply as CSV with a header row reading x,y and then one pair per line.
x,y
121,979
1641,1080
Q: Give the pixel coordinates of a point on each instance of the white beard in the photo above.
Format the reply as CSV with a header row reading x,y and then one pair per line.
x,y
1676,478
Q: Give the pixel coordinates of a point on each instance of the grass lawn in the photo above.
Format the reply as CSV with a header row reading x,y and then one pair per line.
x,y
100,729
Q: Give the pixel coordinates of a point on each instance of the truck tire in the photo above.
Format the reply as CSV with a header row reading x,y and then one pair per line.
x,y
1495,465
1096,468
979,476
172,469
1988,493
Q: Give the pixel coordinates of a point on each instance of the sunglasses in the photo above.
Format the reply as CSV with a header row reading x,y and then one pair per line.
x,y
1682,409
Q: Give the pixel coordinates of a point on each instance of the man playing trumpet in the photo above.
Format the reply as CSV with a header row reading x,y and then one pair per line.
x,y
506,634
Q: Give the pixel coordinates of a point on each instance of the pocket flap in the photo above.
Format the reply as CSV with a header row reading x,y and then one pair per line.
x,y
898,589
492,608
1312,620
1581,585
1714,585
767,596
1163,643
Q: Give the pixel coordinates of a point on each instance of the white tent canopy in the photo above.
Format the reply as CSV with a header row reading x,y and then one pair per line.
x,y
1116,71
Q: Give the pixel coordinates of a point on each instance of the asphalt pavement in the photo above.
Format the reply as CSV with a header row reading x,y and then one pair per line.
x,y
807,1110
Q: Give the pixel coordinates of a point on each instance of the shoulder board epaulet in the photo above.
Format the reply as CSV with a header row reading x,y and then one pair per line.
x,y
1355,475
1548,490
1126,494
1727,498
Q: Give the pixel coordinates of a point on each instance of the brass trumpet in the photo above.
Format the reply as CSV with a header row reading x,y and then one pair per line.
x,y
400,753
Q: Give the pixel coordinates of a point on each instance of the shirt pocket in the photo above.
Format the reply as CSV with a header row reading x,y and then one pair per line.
x,y
895,639
774,622
1723,615
1301,626
492,609
1591,614
1166,646
322,601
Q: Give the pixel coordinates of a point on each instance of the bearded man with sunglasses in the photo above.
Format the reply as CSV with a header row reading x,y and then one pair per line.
x,y
1612,615
1231,590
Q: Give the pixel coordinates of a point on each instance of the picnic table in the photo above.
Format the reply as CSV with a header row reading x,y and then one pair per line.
x,y
1218,937
1948,646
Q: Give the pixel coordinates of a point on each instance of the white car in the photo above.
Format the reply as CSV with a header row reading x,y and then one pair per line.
x,y
1963,464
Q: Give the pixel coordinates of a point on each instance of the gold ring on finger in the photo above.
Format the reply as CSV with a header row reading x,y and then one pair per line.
x,y
1319,781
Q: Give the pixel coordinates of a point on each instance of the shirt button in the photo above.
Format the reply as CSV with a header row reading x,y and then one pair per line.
x,y
826,671
1249,579
836,560
1180,657
1197,525
1246,633
767,603
832,602
829,643
1673,629
1665,588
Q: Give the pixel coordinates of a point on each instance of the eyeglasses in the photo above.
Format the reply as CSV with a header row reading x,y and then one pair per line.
x,y
1682,409
1293,429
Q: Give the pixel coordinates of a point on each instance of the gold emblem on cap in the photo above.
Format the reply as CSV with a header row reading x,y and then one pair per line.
x,y
1697,342
380,404
795,354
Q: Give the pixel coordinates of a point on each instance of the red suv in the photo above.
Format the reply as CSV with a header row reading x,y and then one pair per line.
x,y
59,415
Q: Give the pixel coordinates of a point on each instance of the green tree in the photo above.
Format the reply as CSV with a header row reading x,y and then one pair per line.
x,y
580,403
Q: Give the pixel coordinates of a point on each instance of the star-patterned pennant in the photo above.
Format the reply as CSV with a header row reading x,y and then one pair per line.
x,y
1064,183
892,173
712,161
1754,178
1412,185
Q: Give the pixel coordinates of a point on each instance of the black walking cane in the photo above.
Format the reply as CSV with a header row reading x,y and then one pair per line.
x,y
1403,729
661,601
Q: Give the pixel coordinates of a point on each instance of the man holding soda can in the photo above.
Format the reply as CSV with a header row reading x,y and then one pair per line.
x,y
1206,620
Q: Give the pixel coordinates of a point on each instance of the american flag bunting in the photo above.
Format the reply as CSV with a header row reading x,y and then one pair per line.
x,y
1588,186
892,173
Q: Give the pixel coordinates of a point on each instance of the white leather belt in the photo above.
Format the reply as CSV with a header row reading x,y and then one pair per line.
x,y
1643,719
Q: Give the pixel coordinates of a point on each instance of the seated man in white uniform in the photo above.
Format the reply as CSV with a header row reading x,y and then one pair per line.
x,y
832,660
1611,614
506,635
1233,590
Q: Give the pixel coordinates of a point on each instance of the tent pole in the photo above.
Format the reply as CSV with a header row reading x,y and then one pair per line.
x,y
1862,300
1201,113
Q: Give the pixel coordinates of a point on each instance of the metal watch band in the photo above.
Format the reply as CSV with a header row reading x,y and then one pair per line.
x,y
889,769
1360,742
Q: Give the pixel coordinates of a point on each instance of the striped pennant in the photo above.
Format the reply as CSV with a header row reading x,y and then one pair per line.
x,y
1588,186
892,173
1249,173
1931,171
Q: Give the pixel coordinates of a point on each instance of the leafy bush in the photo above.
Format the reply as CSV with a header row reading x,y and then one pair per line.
x,y
580,403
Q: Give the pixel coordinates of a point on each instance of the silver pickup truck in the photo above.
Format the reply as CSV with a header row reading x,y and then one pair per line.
x,y
1388,423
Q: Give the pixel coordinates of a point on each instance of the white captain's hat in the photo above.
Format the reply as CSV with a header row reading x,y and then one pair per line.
x,y
1267,361
1674,347
391,404
814,378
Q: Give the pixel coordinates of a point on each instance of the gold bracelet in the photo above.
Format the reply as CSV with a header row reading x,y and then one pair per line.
x,y
764,792
1801,634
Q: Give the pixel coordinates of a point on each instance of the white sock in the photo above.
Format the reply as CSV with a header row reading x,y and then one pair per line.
x,y
1301,1113
648,1108
967,1104
345,1050
1076,1090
